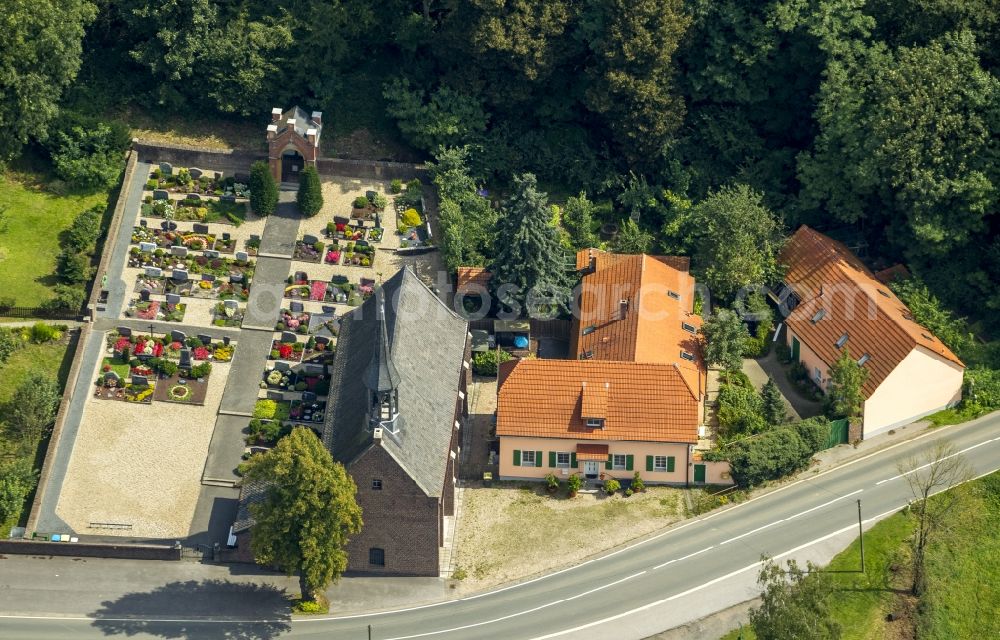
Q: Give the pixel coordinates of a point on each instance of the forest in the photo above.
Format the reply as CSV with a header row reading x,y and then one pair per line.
x,y
875,121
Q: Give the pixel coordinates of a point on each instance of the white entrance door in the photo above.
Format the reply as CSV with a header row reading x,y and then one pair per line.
x,y
591,468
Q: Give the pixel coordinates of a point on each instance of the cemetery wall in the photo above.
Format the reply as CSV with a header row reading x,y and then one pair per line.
x,y
91,550
231,161
113,229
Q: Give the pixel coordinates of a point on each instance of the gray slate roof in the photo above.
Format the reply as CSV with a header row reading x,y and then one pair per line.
x,y
427,344
252,492
303,122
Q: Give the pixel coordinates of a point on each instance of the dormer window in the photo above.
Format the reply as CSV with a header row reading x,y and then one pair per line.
x,y
595,423
841,341
863,359
688,327
687,355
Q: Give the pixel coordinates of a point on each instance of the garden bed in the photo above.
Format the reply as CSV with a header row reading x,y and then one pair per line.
x,y
290,351
223,316
155,310
308,252
180,389
234,213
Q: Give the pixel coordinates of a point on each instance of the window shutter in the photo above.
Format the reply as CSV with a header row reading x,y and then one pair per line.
x,y
572,459
670,463
517,457
552,458
607,465
649,463
629,461
538,458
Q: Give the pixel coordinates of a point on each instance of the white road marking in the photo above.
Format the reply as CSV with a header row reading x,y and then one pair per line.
x,y
605,586
924,466
690,555
475,624
820,506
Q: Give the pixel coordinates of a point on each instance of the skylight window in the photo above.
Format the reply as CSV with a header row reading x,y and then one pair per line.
x,y
587,355
674,295
883,293
589,330
688,327
863,359
842,340
686,355
927,336
819,315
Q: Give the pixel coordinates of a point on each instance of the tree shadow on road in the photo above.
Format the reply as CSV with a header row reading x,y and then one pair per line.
x,y
192,610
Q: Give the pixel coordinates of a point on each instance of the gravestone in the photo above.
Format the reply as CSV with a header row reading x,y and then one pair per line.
x,y
143,222
242,178
308,396
287,336
193,196
362,243
125,332
144,295
180,275
225,339
310,239
167,168
218,175
328,309
370,195
172,226
195,172
178,336
340,220
282,366
378,220
235,278
275,395
227,236
185,362
165,225
139,381
205,339
111,375
242,256
254,238
147,247
227,198
300,276
173,298
296,306
200,228
339,279
231,304
208,277
161,194
153,272
211,253
180,252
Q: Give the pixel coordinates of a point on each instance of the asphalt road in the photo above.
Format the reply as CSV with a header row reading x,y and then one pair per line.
x,y
629,593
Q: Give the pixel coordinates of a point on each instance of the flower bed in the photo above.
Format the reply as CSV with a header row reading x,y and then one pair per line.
x,y
307,411
308,252
223,316
181,389
291,351
375,234
293,321
317,290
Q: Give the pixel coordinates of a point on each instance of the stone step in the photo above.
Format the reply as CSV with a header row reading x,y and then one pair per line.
x,y
218,482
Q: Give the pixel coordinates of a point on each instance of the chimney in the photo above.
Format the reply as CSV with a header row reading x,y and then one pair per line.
x,y
622,309
593,262
317,117
377,433
272,130
275,114
311,136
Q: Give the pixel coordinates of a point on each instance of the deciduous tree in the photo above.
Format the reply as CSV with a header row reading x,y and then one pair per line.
x,y
578,218
631,239
725,340
308,512
843,396
17,479
795,603
32,409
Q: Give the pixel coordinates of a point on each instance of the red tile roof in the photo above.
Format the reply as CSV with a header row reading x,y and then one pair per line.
x,y
658,295
645,401
840,297
588,451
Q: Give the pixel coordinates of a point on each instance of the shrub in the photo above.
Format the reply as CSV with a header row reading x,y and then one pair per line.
x,y
264,430
87,152
740,409
611,485
814,432
152,184
201,370
396,186
574,482
17,479
771,455
628,493
41,332
10,341
380,202
637,484
68,298
310,195
72,267
265,409
360,202
410,218
551,482
263,189
7,303
168,367
487,363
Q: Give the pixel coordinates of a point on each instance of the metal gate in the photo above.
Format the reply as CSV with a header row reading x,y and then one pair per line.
x,y
838,433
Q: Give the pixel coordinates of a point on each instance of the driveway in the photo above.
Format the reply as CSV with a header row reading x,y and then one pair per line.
x,y
758,371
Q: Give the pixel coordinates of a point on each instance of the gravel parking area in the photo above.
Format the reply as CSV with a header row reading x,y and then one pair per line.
x,y
511,531
139,465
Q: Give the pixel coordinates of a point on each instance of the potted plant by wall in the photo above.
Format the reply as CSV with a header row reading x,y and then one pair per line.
x,y
573,483
638,486
551,483
611,486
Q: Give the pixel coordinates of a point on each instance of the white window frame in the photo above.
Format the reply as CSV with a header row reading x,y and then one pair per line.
x,y
817,374
614,461
528,458
595,423
662,468
560,457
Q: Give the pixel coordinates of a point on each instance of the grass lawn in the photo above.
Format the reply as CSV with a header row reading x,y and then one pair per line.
x,y
29,235
963,575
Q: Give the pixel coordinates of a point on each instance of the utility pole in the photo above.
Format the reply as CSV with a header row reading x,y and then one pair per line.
x,y
861,537
369,632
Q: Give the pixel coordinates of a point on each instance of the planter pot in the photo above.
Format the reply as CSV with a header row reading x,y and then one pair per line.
x,y
572,494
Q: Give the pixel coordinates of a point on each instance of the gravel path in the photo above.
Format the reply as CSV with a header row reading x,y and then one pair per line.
x,y
139,464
